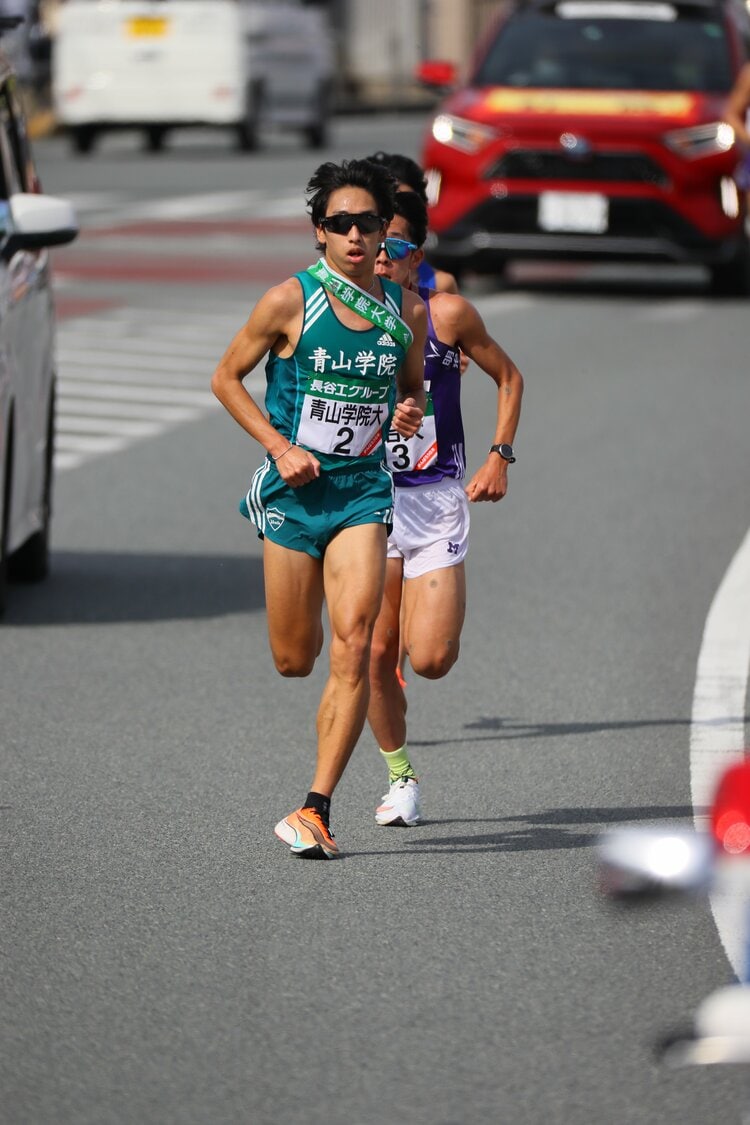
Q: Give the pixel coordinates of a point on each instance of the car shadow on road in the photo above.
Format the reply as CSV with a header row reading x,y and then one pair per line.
x,y
536,832
571,279
104,588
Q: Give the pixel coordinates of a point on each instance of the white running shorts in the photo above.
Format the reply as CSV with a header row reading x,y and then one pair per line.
x,y
430,527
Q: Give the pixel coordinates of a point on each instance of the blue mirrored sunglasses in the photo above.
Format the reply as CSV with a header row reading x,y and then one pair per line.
x,y
396,248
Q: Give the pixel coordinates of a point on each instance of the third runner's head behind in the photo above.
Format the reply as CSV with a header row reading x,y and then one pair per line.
x,y
410,177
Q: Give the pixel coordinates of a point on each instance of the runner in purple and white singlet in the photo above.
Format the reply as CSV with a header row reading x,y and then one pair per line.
x,y
425,586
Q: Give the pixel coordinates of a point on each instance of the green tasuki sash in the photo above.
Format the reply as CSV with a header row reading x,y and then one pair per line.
x,y
362,303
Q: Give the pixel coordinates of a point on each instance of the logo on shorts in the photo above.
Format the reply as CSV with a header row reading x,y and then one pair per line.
x,y
275,518
453,548
386,341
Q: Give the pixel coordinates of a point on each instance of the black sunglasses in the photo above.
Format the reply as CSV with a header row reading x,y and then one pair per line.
x,y
364,221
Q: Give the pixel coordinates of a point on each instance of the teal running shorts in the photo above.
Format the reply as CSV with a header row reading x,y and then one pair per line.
x,y
307,518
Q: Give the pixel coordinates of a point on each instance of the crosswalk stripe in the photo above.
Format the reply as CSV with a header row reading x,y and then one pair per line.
x,y
127,374
76,407
80,345
139,393
91,443
115,364
73,424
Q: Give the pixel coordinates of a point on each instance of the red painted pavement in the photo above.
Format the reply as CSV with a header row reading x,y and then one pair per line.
x,y
66,307
178,270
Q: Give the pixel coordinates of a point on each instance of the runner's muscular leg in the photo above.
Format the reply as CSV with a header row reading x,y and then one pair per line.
x,y
434,610
387,710
294,602
354,570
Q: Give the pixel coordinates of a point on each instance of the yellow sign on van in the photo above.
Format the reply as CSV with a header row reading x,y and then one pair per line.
x,y
147,27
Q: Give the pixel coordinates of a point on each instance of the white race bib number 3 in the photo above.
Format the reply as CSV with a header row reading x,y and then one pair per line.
x,y
406,455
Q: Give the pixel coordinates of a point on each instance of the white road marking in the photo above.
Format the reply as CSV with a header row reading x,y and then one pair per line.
x,y
717,733
103,209
138,392
674,311
128,374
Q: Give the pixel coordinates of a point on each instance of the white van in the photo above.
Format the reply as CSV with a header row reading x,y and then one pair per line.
x,y
159,64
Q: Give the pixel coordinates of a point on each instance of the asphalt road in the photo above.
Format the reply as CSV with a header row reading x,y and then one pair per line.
x,y
165,960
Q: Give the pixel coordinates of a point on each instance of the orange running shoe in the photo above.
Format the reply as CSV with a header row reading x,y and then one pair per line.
x,y
307,835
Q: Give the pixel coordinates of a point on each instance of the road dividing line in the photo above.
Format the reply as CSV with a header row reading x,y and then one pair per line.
x,y
717,732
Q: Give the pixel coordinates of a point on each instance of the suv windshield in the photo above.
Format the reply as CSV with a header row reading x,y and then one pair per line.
x,y
685,50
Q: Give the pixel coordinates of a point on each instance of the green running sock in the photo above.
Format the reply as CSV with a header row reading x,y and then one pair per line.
x,y
398,763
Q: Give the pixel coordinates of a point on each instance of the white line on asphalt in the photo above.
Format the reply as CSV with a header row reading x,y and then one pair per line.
x,y
138,393
92,343
717,732
119,427
674,311
170,367
504,302
75,407
180,207
90,443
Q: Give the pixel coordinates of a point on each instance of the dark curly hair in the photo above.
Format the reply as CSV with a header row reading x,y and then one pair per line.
x,y
406,170
364,174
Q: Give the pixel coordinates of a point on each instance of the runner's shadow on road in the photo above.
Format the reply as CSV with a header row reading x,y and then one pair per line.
x,y
105,588
506,729
537,832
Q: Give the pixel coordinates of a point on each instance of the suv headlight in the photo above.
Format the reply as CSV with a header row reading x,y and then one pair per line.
x,y
458,132
701,140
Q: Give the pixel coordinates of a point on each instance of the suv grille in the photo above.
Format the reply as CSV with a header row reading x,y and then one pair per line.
x,y
605,167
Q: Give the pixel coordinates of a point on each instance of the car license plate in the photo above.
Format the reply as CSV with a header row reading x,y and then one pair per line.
x,y
582,212
147,27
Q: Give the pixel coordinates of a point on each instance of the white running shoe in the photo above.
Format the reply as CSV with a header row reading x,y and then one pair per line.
x,y
400,804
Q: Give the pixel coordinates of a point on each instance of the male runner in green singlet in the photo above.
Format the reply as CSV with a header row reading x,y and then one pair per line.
x,y
345,363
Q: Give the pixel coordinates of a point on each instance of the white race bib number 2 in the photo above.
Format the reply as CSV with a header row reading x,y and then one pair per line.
x,y
345,429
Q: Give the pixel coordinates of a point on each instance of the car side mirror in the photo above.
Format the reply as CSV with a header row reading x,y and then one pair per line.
x,y
37,221
439,74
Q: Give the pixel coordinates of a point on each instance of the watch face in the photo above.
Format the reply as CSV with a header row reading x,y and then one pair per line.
x,y
506,450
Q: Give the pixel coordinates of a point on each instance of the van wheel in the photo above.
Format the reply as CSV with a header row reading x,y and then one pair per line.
x,y
248,130
30,563
154,138
317,133
83,139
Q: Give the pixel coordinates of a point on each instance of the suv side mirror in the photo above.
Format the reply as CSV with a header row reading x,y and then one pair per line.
x,y
437,73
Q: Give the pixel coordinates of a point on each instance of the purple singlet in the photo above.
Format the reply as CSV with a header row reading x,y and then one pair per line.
x,y
442,378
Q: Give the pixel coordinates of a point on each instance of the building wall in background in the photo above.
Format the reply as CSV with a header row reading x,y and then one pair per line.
x,y
380,45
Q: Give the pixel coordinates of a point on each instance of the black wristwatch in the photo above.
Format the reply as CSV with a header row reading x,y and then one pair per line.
x,y
505,450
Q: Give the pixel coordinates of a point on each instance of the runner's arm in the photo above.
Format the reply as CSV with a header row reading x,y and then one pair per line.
x,y
490,482
269,324
410,396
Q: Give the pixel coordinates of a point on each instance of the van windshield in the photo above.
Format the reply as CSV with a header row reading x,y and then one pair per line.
x,y
539,49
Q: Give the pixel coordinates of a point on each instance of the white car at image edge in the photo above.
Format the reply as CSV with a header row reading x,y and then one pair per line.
x,y
30,222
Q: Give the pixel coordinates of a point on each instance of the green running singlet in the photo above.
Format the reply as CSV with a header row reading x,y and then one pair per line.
x,y
335,395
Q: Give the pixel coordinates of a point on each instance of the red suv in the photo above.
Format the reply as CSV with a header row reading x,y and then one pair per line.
x,y
592,129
